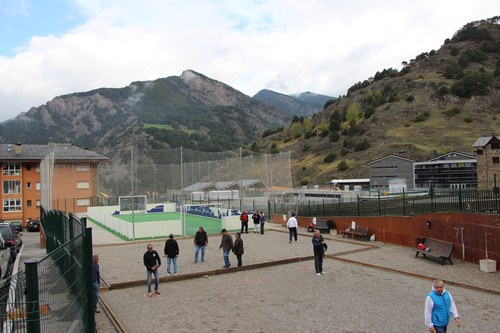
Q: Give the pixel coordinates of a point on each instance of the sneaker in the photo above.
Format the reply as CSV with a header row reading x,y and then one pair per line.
x,y
318,274
97,311
323,273
290,242
149,294
168,274
157,292
175,273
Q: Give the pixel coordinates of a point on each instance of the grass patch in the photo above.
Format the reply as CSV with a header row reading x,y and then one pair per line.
x,y
160,126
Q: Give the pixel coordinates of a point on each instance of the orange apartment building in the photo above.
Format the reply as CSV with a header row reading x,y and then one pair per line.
x,y
61,176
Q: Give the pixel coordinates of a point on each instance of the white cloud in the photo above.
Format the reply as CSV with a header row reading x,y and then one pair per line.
x,y
287,46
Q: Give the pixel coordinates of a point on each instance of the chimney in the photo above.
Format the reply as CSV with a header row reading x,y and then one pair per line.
x,y
402,153
19,148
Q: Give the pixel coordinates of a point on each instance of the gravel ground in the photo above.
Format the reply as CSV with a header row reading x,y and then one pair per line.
x,y
290,297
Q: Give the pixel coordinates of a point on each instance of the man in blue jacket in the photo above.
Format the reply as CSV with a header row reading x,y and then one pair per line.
x,y
439,308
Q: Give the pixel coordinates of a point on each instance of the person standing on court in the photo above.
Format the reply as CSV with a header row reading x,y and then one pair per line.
x,y
439,308
171,252
319,247
262,222
200,242
256,221
292,225
226,245
152,261
244,221
96,280
238,248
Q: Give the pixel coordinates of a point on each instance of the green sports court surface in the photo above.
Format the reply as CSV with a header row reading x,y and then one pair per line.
x,y
193,222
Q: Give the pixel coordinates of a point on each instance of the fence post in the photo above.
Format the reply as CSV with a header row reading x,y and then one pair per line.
x,y
357,202
32,297
404,202
460,203
379,208
87,266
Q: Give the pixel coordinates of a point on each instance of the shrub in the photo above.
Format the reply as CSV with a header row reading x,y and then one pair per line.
x,y
472,84
410,98
310,134
362,145
468,119
420,118
342,166
452,111
442,91
306,147
334,136
407,124
454,51
330,157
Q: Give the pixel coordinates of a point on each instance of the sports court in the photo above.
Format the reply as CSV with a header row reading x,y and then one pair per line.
x,y
191,222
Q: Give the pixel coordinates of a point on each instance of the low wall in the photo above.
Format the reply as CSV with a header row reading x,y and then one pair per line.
x,y
478,231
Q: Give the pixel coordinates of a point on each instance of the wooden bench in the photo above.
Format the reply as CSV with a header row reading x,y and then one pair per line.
x,y
437,249
359,232
323,226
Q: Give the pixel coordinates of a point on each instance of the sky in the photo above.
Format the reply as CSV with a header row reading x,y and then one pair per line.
x,y
50,48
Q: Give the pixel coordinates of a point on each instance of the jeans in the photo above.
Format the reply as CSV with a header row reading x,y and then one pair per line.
x,y
244,225
174,261
149,280
198,247
441,329
240,262
96,294
318,263
293,231
262,227
225,254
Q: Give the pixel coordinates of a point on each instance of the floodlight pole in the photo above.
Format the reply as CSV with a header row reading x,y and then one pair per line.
x,y
132,173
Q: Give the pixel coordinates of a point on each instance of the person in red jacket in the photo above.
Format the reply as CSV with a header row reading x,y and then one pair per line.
x,y
244,221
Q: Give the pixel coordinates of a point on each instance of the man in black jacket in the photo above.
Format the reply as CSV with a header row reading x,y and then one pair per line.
x,y
319,247
200,242
171,252
152,262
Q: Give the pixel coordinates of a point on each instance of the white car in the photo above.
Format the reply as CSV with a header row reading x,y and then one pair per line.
x,y
5,257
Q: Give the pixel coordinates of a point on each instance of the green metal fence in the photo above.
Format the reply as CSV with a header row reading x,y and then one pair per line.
x,y
54,294
477,201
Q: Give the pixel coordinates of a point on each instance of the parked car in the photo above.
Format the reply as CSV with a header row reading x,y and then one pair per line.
x,y
13,239
4,258
34,225
17,225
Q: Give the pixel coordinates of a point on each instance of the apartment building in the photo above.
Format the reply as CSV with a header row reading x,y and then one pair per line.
x,y
62,176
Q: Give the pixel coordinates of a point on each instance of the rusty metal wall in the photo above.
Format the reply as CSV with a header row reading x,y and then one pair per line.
x,y
479,231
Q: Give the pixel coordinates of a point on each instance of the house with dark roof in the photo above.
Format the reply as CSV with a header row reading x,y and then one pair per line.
x,y
487,151
61,176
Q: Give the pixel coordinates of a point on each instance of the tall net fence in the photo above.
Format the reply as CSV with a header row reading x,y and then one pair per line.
x,y
161,173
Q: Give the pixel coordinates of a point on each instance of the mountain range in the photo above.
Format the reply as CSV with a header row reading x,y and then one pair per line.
x,y
440,101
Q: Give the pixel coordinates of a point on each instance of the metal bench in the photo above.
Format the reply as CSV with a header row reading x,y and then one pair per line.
x,y
438,249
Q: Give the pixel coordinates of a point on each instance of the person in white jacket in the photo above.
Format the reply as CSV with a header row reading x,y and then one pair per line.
x,y
439,308
292,225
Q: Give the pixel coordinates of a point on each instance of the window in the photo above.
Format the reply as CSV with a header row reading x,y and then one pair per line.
x,y
479,152
11,205
495,145
11,169
83,202
37,168
28,167
38,186
28,203
496,160
82,167
12,186
28,185
38,203
82,185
